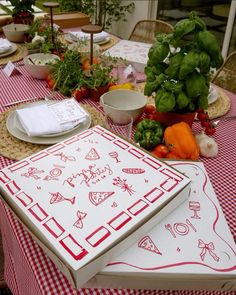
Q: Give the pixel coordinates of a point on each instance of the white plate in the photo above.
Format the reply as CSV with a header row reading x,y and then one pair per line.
x,y
213,95
10,51
104,41
13,129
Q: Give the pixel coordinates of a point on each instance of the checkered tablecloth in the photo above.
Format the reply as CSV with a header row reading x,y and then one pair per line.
x,y
28,271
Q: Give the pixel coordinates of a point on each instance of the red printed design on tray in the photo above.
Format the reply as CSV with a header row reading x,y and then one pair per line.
x,y
115,156
152,163
169,184
38,212
65,158
53,174
195,207
3,177
96,198
58,197
147,243
119,220
24,199
92,155
133,170
136,153
73,247
122,183
180,228
18,166
53,227
207,248
39,156
98,236
33,172
121,144
171,174
13,187
138,207
153,195
79,221
55,148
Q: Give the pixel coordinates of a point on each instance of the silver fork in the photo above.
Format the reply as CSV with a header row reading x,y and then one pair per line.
x,y
215,123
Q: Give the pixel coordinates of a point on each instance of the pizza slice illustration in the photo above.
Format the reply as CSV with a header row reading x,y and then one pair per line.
x,y
96,198
146,243
92,155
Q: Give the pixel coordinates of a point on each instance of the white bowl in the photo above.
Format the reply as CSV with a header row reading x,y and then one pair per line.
x,y
36,70
15,32
117,103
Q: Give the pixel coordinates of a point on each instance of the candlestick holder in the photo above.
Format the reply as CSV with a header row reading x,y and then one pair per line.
x,y
51,5
91,29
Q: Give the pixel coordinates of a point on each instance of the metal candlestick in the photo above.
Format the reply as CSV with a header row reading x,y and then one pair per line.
x,y
51,5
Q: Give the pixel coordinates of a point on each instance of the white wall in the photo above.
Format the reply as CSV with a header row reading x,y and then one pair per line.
x,y
141,11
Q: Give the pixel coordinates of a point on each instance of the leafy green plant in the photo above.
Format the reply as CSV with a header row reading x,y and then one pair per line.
x,y
102,12
22,6
180,64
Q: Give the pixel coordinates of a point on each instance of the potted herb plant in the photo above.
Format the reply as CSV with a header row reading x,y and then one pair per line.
x,y
179,70
22,11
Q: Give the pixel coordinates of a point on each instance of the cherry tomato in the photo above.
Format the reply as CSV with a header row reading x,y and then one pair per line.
x,y
50,81
160,150
149,109
81,93
210,130
152,116
206,123
202,115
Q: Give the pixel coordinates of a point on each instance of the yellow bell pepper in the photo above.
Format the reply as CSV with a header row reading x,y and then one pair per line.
x,y
122,86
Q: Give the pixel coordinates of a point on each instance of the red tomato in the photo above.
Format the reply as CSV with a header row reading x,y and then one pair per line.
x,y
160,150
206,123
210,130
152,116
50,82
172,155
81,93
149,109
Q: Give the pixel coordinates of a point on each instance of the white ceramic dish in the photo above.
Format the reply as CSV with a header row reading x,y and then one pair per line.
x,y
10,51
117,103
104,41
213,95
15,32
39,71
14,129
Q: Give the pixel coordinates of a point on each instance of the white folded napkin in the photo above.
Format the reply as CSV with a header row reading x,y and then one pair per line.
x,y
96,37
5,45
51,118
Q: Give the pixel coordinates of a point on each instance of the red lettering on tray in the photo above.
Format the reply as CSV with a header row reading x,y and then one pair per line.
x,y
98,236
153,195
18,166
71,140
13,187
119,220
24,199
137,207
53,227
3,177
98,129
73,247
38,212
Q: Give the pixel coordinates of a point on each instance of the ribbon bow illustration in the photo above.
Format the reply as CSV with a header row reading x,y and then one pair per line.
x,y
32,173
207,247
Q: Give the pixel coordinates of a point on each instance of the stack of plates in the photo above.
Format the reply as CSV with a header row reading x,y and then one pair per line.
x,y
100,38
6,50
15,128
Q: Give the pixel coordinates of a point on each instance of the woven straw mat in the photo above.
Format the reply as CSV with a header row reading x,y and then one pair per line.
x,y
19,54
16,149
217,109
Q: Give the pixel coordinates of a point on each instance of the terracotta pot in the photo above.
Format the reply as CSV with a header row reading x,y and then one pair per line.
x,y
170,118
96,93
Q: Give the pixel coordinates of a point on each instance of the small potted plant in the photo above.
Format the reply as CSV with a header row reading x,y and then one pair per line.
x,y
179,70
22,11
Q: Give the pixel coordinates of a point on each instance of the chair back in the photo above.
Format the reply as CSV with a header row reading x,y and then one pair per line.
x,y
225,77
146,30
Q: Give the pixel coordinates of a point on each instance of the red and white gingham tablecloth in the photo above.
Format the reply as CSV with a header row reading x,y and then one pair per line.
x,y
28,271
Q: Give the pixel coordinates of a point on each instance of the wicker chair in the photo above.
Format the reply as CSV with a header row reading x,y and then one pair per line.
x,y
146,30
225,77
